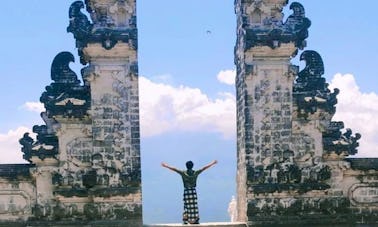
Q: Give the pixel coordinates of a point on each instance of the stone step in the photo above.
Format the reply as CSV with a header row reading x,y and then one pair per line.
x,y
212,224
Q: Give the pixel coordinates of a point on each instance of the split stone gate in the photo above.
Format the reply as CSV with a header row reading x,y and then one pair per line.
x,y
292,167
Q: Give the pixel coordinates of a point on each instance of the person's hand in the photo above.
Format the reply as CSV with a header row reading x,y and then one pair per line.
x,y
215,162
164,164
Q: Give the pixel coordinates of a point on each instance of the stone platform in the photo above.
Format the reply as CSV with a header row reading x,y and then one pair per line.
x,y
213,224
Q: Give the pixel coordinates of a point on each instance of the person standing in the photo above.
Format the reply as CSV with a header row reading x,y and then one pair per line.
x,y
189,178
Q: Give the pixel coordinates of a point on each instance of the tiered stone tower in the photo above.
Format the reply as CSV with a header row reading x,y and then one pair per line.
x,y
292,166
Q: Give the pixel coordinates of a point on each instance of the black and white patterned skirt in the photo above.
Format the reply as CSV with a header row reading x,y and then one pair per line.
x,y
190,206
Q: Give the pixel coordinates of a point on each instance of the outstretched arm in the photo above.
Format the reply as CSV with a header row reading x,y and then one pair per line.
x,y
209,165
165,165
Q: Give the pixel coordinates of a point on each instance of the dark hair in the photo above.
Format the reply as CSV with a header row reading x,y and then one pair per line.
x,y
189,165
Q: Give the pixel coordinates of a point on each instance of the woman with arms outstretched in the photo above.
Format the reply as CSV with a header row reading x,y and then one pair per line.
x,y
189,178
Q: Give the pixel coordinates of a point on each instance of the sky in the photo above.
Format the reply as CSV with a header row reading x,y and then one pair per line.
x,y
187,94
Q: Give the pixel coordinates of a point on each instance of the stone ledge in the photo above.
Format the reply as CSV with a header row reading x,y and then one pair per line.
x,y
217,224
14,171
102,223
363,163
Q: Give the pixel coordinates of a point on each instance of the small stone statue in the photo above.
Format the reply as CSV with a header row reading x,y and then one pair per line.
x,y
189,178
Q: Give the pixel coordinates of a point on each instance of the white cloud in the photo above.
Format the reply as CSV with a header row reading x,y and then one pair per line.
x,y
34,107
163,78
358,111
165,108
227,77
10,149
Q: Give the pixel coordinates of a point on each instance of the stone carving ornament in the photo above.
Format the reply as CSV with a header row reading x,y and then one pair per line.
x,y
112,21
271,31
310,89
312,94
79,25
65,96
344,144
46,145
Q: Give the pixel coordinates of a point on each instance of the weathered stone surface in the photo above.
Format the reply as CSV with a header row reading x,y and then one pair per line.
x,y
17,192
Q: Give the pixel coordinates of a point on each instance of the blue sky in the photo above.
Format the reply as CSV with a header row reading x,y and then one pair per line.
x,y
187,99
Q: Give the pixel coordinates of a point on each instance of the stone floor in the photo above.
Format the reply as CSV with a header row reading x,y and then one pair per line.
x,y
213,224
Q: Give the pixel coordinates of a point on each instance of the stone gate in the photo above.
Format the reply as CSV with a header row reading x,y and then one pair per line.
x,y
293,166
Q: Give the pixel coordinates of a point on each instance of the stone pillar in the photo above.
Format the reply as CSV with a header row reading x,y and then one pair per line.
x,y
264,85
113,80
42,173
264,112
268,91
43,176
112,75
110,173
